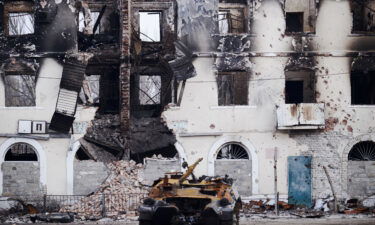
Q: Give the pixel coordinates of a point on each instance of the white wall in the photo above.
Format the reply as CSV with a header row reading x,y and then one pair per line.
x,y
199,122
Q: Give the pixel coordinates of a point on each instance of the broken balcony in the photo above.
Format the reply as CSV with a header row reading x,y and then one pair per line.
x,y
303,116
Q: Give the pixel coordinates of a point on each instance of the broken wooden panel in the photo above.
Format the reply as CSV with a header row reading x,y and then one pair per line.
x,y
233,88
182,67
287,115
73,75
299,181
66,102
19,90
311,114
61,122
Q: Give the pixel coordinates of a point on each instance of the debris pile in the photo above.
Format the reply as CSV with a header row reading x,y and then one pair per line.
x,y
119,196
256,207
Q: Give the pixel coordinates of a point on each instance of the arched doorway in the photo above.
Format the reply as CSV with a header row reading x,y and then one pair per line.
x,y
361,164
21,170
233,159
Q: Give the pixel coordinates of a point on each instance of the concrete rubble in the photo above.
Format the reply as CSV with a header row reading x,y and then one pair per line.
x,y
124,180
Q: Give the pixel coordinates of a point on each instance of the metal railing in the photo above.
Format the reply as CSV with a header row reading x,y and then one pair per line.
x,y
99,205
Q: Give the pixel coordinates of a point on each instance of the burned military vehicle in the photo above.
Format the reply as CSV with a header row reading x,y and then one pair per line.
x,y
176,200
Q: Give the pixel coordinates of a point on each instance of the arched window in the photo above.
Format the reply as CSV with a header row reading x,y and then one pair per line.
x,y
362,151
232,151
21,152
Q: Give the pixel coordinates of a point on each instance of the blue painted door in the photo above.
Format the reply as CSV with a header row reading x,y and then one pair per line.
x,y
299,180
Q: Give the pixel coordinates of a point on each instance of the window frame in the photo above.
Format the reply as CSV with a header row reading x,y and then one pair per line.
x,y
160,12
229,8
362,31
234,101
17,7
151,97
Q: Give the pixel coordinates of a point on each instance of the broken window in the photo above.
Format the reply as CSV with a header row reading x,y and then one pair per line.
x,y
20,23
90,90
82,22
149,89
149,26
362,151
294,22
299,87
231,18
233,88
363,15
19,90
362,87
300,15
21,152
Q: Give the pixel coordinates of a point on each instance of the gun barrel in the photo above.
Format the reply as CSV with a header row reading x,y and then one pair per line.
x,y
189,171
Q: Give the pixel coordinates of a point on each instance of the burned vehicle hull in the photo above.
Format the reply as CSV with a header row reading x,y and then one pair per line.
x,y
175,200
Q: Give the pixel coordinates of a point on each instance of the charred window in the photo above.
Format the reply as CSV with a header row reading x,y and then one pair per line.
x,y
149,26
300,15
109,91
18,18
82,21
363,15
21,152
233,88
20,24
294,22
231,18
149,89
362,87
299,87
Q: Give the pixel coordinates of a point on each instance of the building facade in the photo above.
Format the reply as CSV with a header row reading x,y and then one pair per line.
x,y
248,85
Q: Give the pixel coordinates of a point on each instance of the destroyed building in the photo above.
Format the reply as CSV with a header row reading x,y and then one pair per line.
x,y
248,85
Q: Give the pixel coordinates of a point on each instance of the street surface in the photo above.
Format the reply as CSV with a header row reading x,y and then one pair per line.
x,y
330,221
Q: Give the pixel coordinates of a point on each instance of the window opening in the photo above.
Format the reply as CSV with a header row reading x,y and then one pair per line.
x,y
149,26
232,151
19,90
82,155
20,23
21,152
231,18
294,22
363,15
362,87
82,24
362,151
149,89
233,88
299,87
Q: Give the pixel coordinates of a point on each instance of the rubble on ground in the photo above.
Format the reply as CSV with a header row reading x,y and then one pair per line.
x,y
123,181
